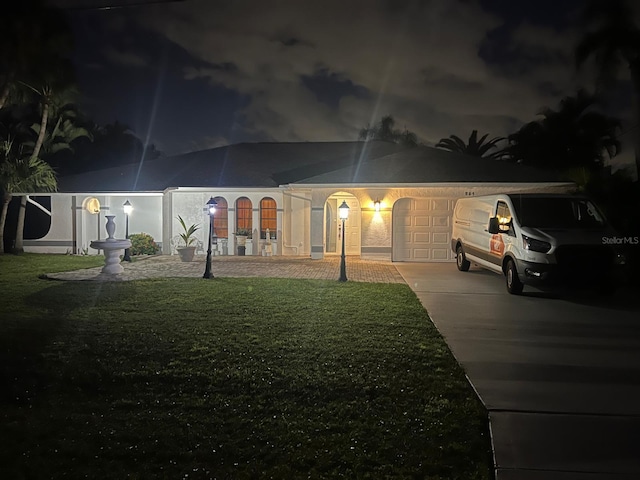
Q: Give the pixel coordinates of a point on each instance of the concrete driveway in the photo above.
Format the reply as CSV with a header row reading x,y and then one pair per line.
x,y
559,375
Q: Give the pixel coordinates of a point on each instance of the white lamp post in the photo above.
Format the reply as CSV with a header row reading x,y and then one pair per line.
x,y
344,214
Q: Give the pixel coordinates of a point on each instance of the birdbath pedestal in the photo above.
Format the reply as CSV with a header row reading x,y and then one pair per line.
x,y
112,247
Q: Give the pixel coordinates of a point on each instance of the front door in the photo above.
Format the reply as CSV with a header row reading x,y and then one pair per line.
x,y
333,226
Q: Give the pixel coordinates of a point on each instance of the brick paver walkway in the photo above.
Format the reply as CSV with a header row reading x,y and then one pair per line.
x,y
358,270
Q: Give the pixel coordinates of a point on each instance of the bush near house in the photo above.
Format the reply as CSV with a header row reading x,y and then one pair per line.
x,y
143,244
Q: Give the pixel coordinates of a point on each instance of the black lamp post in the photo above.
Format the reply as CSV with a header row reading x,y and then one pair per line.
x,y
128,208
344,214
211,207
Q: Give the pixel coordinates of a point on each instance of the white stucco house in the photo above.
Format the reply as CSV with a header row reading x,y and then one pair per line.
x,y
401,199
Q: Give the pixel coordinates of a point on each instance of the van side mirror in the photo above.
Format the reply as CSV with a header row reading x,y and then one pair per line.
x,y
494,225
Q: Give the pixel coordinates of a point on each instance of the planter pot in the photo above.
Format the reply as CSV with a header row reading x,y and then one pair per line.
x,y
186,253
242,240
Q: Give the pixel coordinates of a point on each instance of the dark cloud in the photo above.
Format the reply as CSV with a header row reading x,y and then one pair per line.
x,y
319,71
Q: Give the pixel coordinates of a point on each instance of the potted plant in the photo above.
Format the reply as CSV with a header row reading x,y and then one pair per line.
x,y
187,251
241,235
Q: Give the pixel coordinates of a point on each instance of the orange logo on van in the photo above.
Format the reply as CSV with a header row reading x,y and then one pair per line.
x,y
497,244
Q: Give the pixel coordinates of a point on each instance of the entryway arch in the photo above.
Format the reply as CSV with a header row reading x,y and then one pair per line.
x,y
333,225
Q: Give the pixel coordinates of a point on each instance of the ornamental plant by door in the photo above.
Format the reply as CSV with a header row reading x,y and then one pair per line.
x,y
188,250
242,234
241,238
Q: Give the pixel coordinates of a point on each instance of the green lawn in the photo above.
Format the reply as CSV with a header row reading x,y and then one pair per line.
x,y
227,378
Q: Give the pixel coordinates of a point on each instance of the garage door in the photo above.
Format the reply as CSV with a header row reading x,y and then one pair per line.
x,y
422,229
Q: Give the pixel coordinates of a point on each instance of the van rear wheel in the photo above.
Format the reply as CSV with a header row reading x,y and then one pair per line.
x,y
461,261
514,285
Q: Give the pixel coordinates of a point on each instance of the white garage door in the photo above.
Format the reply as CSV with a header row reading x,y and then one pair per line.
x,y
422,229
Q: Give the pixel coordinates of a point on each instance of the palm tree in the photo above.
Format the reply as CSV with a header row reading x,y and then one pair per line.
x,y
63,133
50,139
474,147
616,40
384,130
39,65
21,173
573,137
32,39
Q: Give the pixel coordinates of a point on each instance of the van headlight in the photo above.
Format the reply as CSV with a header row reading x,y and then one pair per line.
x,y
534,245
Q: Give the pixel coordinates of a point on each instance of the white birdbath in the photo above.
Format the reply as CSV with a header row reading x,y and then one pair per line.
x,y
112,248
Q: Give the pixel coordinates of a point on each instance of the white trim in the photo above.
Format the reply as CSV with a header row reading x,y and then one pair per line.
x,y
93,194
341,186
33,202
215,189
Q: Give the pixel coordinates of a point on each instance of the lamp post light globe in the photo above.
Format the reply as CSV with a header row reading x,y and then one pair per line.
x,y
128,208
344,214
211,210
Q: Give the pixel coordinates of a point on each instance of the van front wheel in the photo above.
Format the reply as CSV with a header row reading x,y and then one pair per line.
x,y
514,285
461,261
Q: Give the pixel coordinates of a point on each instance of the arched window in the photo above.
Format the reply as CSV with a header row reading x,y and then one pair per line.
x,y
243,215
268,217
221,219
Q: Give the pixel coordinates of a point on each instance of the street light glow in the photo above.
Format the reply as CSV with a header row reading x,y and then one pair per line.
x,y
128,208
211,209
344,214
344,210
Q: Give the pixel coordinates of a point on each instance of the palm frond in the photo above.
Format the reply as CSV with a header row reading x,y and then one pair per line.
x,y
475,147
448,144
473,140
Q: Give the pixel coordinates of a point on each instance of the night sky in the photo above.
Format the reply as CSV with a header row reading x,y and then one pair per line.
x,y
198,74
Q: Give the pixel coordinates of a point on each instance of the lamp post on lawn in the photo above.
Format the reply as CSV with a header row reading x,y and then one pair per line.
x,y
128,208
344,214
211,207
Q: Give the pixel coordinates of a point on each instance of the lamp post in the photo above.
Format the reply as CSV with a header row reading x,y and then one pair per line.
x,y
211,207
344,214
128,208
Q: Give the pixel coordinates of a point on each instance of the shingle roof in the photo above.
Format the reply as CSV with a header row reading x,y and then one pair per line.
x,y
432,165
274,164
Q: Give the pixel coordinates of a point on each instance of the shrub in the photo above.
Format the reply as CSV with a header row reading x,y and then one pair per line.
x,y
143,244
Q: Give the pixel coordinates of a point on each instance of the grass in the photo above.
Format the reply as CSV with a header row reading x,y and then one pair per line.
x,y
228,378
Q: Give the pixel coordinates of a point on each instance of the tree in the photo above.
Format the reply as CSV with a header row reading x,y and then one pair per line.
x,y
108,145
21,173
38,67
32,39
474,147
384,130
64,131
615,40
47,95
575,137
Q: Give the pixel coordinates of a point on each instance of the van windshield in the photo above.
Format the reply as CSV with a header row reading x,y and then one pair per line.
x,y
557,212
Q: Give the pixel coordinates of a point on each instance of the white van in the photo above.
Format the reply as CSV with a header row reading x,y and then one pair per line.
x,y
535,239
